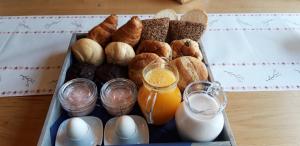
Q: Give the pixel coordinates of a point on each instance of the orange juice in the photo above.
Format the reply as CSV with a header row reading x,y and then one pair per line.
x,y
159,97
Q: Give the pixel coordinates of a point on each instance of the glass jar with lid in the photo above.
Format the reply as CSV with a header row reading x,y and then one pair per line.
x,y
78,96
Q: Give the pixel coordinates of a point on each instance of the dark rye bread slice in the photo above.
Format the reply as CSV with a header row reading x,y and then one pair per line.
x,y
185,30
155,29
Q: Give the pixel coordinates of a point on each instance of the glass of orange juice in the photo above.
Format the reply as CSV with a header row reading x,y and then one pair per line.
x,y
159,96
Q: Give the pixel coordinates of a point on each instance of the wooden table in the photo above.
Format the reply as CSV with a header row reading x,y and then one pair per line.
x,y
257,118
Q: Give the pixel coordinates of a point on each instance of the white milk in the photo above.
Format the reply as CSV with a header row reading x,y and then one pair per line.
x,y
204,123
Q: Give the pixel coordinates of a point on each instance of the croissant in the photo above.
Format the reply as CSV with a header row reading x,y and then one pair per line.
x,y
130,32
102,33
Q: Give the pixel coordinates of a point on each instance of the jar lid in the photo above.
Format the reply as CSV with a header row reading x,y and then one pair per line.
x,y
77,94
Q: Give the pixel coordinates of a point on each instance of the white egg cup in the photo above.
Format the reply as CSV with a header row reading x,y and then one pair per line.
x,y
80,131
126,130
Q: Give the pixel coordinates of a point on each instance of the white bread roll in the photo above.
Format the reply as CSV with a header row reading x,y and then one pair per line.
x,y
119,53
89,51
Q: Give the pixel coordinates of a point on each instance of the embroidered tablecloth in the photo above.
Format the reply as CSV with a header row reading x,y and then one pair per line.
x,y
246,51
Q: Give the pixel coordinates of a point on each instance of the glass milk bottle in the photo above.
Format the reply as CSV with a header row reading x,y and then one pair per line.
x,y
159,97
199,117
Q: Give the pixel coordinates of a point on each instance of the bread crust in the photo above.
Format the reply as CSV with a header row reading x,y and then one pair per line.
x,y
130,32
190,69
195,15
119,53
102,33
162,49
155,29
169,13
138,63
89,51
184,29
186,47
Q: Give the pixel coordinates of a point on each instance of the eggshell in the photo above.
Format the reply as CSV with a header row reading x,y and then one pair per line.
x,y
125,127
76,128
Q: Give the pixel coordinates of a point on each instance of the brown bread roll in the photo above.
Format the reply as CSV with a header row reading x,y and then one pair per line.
x,y
119,53
186,47
190,69
162,49
138,63
102,32
130,32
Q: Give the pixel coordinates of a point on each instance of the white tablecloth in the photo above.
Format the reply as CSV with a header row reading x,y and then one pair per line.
x,y
246,52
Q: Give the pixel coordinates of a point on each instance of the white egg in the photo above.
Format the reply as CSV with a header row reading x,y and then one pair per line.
x,y
77,128
125,127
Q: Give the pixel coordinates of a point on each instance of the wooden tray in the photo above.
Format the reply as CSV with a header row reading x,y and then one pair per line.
x,y
55,110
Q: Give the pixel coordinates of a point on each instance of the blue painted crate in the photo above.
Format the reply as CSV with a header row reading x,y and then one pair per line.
x,y
56,114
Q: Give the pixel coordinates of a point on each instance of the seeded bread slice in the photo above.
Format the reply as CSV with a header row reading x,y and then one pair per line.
x,y
185,30
155,29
